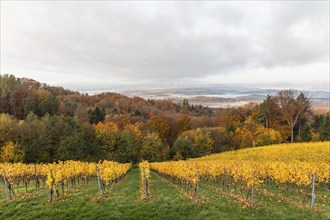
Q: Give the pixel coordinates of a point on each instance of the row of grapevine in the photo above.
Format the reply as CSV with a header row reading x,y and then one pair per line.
x,y
183,172
247,175
60,174
110,171
144,168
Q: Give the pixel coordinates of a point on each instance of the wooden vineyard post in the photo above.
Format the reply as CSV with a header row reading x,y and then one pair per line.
x,y
224,179
99,181
252,193
313,191
196,187
51,186
145,185
26,186
5,181
9,189
63,188
35,174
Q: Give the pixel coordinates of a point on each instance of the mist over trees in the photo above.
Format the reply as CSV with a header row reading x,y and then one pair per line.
x,y
41,123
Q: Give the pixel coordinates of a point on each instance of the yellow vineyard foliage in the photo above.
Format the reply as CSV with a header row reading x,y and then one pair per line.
x,y
303,152
285,163
144,168
63,172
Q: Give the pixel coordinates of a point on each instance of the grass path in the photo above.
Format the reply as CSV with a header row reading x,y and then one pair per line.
x,y
221,206
123,202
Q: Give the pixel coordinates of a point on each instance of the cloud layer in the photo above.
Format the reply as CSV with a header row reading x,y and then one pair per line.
x,y
166,41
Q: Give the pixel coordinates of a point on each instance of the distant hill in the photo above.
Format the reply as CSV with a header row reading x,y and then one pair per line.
x,y
214,96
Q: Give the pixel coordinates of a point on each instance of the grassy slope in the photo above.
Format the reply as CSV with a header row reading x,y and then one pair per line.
x,y
123,202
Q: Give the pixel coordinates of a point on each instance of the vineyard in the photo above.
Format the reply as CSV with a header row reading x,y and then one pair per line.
x,y
61,174
272,182
287,171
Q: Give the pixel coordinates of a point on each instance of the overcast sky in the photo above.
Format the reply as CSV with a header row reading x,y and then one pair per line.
x,y
255,43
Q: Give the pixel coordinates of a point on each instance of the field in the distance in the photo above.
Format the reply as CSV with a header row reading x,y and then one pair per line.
x,y
170,201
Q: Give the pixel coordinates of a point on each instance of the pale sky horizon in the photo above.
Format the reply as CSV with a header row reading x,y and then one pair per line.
x,y
104,43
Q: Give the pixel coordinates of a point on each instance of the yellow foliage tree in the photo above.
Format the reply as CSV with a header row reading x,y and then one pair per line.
x,y
106,135
8,152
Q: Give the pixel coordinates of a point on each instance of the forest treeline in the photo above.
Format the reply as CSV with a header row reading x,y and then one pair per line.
x,y
42,123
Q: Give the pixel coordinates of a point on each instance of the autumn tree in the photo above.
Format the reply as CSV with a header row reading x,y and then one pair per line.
x,y
325,129
11,153
126,150
254,134
79,143
8,129
292,106
31,131
137,134
121,120
31,103
231,118
8,86
268,112
41,102
7,152
49,105
152,148
248,132
267,137
183,148
203,143
201,139
223,140
96,115
160,125
184,124
305,133
107,135
70,147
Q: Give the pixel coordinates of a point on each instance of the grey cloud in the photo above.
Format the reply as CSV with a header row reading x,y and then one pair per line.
x,y
161,40
298,33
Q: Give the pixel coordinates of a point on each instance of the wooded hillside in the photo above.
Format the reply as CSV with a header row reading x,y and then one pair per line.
x,y
41,123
